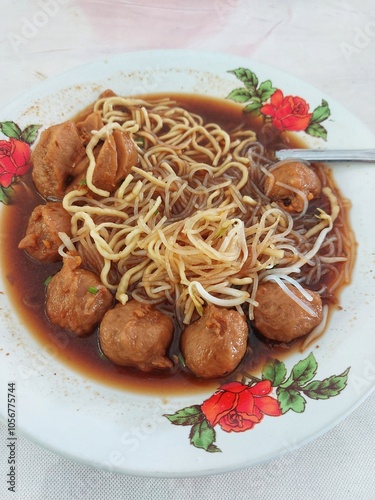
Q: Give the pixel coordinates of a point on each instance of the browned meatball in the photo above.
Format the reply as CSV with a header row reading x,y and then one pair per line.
x,y
41,240
298,176
279,317
214,345
115,158
55,157
137,335
76,298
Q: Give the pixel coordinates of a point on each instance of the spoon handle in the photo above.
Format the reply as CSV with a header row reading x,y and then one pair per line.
x,y
362,155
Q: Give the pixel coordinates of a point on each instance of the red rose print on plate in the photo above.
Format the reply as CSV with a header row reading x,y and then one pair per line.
x,y
238,407
14,160
287,113
15,155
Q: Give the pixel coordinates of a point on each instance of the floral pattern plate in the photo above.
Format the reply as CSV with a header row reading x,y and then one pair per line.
x,y
242,422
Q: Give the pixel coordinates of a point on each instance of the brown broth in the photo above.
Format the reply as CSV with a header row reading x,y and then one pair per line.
x,y
25,280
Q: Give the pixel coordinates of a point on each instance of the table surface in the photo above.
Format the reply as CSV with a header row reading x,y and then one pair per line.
x,y
329,43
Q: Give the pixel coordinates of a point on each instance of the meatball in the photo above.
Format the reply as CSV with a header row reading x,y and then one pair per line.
x,y
298,176
137,335
214,345
116,157
42,240
76,299
278,317
55,157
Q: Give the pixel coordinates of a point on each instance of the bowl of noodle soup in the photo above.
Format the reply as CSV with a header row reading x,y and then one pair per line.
x,y
190,224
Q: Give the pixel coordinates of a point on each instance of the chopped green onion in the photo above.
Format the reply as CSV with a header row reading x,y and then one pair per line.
x,y
181,359
93,290
83,182
140,141
47,281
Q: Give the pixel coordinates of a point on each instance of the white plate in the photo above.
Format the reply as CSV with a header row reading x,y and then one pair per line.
x,y
125,432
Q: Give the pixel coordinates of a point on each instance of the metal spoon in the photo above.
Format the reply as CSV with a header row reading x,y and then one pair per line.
x,y
362,155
